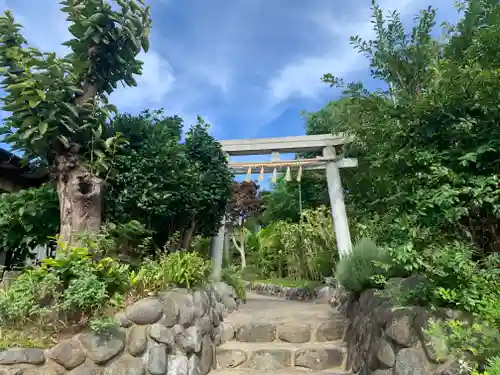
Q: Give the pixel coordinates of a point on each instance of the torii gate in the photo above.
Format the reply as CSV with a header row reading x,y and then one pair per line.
x,y
330,161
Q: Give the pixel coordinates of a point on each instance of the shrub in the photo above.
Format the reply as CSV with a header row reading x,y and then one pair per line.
x,y
149,278
185,269
452,277
129,242
493,366
480,339
69,289
300,251
356,272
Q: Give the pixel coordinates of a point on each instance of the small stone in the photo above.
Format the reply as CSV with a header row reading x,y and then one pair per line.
x,y
385,353
228,332
319,358
87,368
411,361
229,303
101,348
201,303
218,335
177,364
207,355
269,359
383,372
145,311
68,354
125,366
157,359
229,358
324,294
205,324
50,369
186,306
170,309
400,328
18,355
221,310
215,318
194,365
256,332
161,334
294,332
331,330
189,339
122,320
137,340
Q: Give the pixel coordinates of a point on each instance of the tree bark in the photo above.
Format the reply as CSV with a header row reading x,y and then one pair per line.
x,y
241,248
80,198
188,235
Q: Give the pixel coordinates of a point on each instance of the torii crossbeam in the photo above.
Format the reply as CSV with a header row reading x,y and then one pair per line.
x,y
331,162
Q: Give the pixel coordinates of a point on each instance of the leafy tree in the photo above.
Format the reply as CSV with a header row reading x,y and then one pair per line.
x,y
428,146
156,189
167,185
283,202
244,203
58,106
213,178
27,219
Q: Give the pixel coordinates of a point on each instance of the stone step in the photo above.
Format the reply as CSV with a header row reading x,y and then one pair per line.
x,y
288,371
324,330
279,355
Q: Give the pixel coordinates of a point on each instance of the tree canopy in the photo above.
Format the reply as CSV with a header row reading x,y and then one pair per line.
x,y
428,146
157,180
58,106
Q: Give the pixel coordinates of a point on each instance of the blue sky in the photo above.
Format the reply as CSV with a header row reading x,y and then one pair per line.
x,y
249,67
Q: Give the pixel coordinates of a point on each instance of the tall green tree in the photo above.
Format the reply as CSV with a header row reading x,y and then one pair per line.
x,y
59,105
165,184
430,142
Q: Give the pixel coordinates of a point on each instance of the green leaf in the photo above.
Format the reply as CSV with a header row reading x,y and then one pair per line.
x,y
41,94
95,18
145,44
63,140
42,128
28,133
97,132
33,103
109,142
20,86
72,108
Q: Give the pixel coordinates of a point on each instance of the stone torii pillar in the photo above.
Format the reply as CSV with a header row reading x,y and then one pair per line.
x,y
274,146
337,204
217,252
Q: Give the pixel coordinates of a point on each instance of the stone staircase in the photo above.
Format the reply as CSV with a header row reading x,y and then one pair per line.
x,y
269,334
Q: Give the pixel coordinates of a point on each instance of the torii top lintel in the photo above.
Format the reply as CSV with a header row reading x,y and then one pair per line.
x,y
303,143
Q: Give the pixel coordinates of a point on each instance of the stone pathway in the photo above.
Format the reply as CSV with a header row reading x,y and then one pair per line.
x,y
282,337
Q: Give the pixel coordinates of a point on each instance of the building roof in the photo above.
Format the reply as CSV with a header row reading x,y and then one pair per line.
x,y
13,166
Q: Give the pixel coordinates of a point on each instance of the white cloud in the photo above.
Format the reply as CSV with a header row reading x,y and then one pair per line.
x,y
302,76
46,28
155,82
235,63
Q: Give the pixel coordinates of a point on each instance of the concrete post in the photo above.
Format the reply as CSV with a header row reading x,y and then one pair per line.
x,y
218,251
339,214
218,246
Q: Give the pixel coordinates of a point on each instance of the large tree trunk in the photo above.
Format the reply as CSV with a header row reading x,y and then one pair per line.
x,y
188,234
241,248
80,198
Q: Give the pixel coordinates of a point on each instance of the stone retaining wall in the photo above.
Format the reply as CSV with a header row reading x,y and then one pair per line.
x,y
319,294
174,333
386,340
